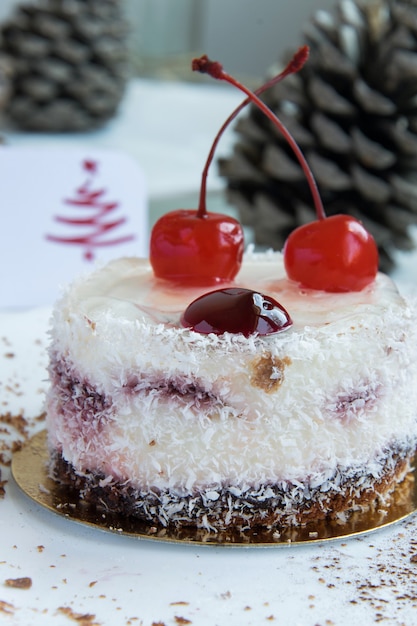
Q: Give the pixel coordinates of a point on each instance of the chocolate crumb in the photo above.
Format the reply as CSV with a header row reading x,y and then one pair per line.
x,y
182,620
19,425
3,483
83,619
6,607
19,583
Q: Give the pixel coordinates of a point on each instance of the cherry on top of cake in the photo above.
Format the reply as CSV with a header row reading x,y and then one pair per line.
x,y
236,310
189,247
194,247
333,254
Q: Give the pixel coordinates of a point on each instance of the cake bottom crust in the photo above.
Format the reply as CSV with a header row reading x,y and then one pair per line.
x,y
267,507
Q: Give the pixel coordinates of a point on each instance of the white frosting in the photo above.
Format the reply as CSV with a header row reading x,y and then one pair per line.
x,y
347,370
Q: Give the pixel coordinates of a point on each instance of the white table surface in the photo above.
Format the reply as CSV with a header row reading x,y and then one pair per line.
x,y
86,576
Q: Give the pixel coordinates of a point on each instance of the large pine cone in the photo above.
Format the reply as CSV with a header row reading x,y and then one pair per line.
x,y
5,81
353,111
69,61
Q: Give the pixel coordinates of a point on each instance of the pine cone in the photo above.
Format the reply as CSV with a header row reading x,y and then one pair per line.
x,y
5,86
69,61
353,111
5,81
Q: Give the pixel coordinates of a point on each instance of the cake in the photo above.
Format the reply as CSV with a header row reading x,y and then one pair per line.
x,y
151,419
197,390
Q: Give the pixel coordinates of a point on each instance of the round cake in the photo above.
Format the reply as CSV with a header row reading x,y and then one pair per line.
x,y
151,419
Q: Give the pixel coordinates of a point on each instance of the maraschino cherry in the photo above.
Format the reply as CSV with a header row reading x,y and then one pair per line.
x,y
333,254
197,247
236,310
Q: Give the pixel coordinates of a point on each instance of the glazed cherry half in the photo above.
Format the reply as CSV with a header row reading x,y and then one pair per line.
x,y
236,310
332,254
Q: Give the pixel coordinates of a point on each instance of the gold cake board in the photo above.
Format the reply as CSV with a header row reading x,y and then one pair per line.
x,y
30,471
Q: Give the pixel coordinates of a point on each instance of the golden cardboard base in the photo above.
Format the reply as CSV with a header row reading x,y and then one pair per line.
x,y
29,469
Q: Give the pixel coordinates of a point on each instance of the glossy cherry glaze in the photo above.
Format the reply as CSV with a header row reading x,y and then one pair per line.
x,y
236,310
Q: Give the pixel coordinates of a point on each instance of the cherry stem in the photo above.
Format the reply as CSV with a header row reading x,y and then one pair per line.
x,y
215,70
295,64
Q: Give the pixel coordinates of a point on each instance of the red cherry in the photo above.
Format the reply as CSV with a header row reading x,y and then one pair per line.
x,y
197,247
334,254
236,310
193,250
317,255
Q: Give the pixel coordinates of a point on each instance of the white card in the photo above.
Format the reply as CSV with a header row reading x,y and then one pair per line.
x,y
63,212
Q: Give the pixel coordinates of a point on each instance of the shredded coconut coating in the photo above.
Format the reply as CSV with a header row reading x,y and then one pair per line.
x,y
141,401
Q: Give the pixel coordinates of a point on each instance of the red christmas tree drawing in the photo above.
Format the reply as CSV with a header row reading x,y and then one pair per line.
x,y
98,224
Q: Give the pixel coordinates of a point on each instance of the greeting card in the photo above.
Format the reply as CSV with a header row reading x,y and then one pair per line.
x,y
65,212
